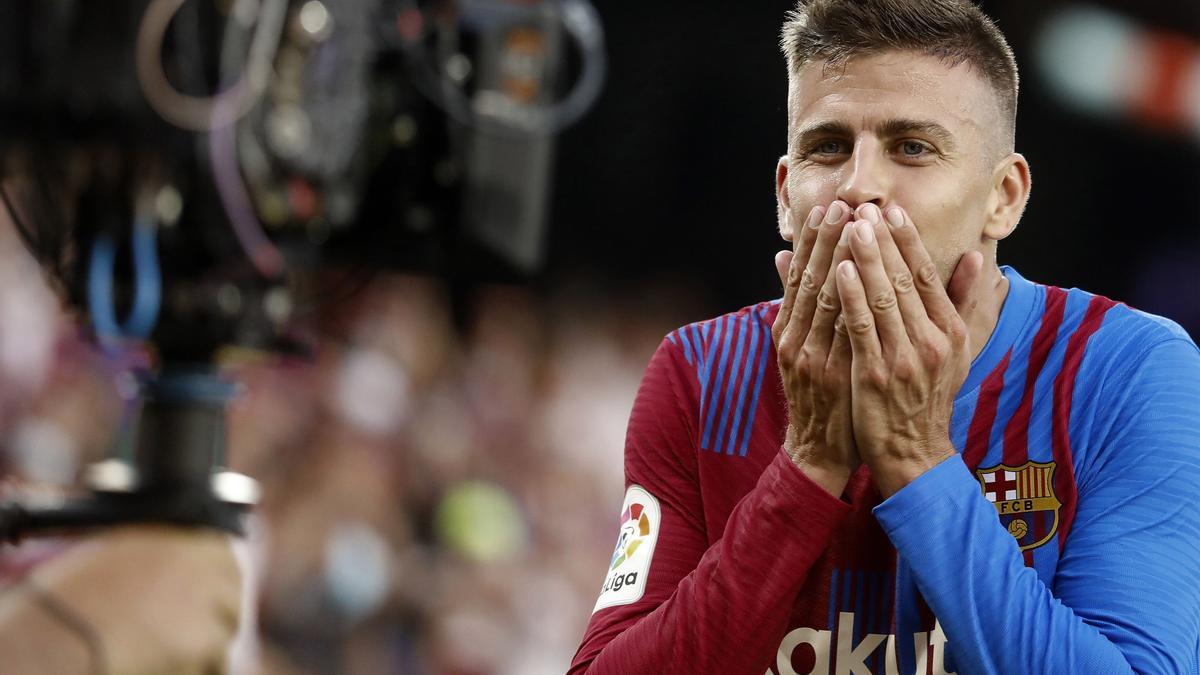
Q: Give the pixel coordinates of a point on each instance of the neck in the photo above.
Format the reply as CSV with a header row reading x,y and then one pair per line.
x,y
983,320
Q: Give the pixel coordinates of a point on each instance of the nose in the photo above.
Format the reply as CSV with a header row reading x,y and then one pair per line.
x,y
864,179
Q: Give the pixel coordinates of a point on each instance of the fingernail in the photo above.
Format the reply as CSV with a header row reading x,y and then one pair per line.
x,y
847,270
870,212
866,232
835,213
895,218
814,216
845,239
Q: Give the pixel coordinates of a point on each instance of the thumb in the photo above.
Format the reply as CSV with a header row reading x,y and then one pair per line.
x,y
783,261
963,288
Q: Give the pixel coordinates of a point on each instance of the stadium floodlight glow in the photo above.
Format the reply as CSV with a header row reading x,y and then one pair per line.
x,y
1102,63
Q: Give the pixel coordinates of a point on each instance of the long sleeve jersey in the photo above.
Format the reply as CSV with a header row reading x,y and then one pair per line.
x,y
1064,537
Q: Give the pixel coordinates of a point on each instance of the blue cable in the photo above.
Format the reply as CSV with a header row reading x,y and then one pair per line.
x,y
147,289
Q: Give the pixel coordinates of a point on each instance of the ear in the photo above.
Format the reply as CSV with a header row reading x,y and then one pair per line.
x,y
1010,192
783,210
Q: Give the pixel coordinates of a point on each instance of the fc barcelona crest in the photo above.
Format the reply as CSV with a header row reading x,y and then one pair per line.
x,y
1024,497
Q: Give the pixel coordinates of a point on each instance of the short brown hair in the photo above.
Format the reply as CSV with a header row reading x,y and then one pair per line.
x,y
956,31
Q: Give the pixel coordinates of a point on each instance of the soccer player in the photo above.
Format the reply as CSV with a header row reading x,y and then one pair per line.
x,y
917,461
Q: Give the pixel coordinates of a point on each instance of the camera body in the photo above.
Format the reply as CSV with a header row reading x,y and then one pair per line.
x,y
193,173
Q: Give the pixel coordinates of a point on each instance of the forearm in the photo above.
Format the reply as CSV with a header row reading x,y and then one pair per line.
x,y
997,614
730,612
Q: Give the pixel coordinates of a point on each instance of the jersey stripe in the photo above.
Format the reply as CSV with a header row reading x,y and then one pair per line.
x,y
736,372
747,373
720,344
1016,433
765,350
688,353
1064,390
985,413
730,356
700,341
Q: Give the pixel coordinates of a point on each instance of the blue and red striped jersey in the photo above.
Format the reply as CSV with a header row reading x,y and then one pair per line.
x,y
1063,537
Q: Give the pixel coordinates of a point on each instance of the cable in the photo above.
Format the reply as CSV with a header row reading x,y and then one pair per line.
x,y
231,190
222,143
581,22
147,289
197,113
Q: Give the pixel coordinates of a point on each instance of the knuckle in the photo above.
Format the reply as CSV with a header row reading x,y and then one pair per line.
x,y
809,281
903,282
860,323
880,378
793,277
884,300
874,377
826,300
802,369
787,354
957,331
927,275
839,325
904,369
934,352
809,356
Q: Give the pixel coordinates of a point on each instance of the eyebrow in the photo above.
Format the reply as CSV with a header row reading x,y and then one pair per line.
x,y
890,128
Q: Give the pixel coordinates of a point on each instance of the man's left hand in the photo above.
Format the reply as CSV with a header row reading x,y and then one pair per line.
x,y
910,345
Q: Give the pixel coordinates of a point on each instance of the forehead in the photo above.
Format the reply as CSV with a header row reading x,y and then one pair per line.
x,y
868,89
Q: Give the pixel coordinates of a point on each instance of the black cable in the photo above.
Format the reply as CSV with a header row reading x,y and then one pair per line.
x,y
74,623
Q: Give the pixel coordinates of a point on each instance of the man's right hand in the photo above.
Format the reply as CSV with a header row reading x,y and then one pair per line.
x,y
814,350
133,600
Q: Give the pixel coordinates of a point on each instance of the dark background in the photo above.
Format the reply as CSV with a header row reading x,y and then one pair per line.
x,y
669,180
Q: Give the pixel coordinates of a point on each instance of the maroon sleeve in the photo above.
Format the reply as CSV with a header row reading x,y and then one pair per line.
x,y
723,607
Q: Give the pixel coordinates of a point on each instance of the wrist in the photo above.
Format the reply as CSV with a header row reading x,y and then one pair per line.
x,y
831,476
893,473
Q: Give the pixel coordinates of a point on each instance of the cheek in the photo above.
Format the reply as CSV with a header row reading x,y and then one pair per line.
x,y
945,233
807,189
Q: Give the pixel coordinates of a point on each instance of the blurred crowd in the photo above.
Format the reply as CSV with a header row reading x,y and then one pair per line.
x,y
436,501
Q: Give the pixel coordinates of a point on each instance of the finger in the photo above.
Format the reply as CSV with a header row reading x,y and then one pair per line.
x,y
829,305
881,297
912,310
804,240
783,262
964,284
816,270
925,275
839,350
860,321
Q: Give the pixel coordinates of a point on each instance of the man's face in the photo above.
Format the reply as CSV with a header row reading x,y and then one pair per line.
x,y
897,129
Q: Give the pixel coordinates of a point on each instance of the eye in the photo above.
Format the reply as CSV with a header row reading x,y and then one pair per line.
x,y
914,149
826,150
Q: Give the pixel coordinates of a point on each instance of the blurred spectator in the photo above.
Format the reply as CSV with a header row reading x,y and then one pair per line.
x,y
440,501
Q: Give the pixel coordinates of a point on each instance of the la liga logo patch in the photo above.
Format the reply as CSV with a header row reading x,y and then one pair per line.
x,y
625,580
635,526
